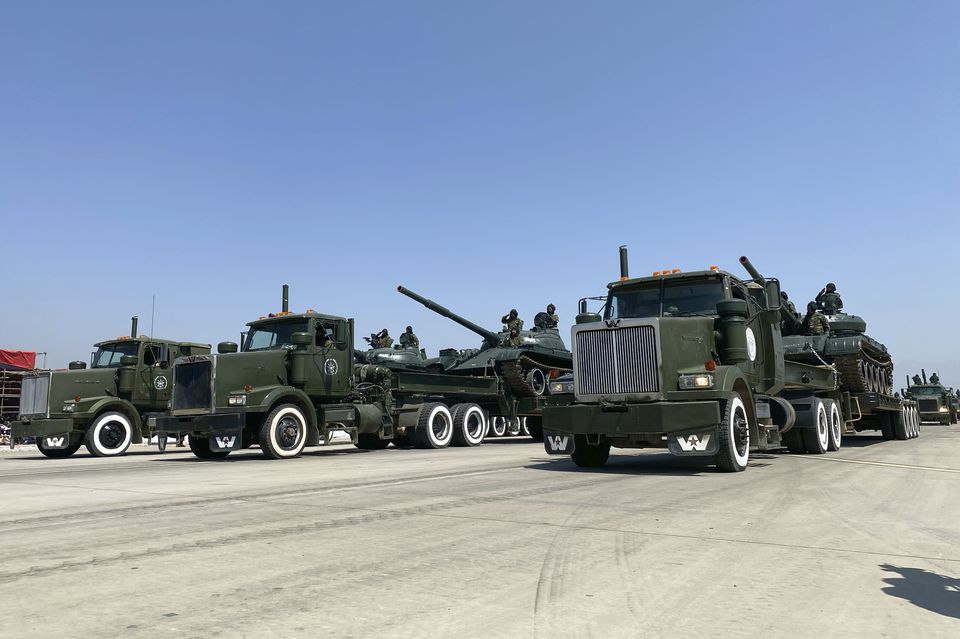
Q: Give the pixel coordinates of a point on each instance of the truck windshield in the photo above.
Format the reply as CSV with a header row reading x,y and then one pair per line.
x,y
925,391
667,298
265,337
108,355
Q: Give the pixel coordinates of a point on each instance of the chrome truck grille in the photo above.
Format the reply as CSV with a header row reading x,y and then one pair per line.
x,y
34,395
192,385
616,361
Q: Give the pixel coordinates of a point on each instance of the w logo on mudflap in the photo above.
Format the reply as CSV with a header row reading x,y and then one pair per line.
x,y
223,442
558,443
55,442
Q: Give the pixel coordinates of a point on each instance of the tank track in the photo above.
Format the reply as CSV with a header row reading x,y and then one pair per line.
x,y
852,367
514,372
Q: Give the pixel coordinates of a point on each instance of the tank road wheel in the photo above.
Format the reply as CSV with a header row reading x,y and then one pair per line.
x,y
434,426
371,441
836,427
469,425
734,437
200,447
283,433
57,453
535,426
498,426
817,439
537,380
588,456
109,435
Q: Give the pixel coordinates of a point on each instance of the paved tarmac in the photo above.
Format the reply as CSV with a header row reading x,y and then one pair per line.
x,y
495,541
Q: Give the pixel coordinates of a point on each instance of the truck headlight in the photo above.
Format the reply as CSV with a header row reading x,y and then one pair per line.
x,y
944,409
69,407
237,400
559,388
698,381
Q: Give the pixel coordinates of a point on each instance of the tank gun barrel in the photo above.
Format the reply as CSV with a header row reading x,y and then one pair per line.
x,y
788,318
490,336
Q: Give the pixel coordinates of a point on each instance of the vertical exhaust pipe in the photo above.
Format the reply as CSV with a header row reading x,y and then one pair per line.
x,y
133,326
286,298
624,265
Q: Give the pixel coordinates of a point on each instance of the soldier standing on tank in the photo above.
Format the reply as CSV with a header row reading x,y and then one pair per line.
x,y
814,322
829,300
934,379
790,305
515,339
383,340
552,314
512,320
408,339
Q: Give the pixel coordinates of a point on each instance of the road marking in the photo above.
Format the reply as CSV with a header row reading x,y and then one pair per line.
x,y
877,463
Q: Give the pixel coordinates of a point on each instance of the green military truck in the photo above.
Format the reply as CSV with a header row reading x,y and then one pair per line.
x,y
295,380
936,402
694,363
103,407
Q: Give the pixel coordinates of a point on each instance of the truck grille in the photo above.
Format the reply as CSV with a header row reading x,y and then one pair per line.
x,y
34,395
617,361
192,387
928,405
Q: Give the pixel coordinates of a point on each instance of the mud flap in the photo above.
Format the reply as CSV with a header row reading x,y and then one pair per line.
x,y
558,443
698,443
226,441
56,442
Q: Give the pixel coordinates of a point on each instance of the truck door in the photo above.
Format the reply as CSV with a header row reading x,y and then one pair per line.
x,y
154,376
332,367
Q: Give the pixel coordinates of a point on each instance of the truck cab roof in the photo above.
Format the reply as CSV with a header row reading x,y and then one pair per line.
x,y
293,317
153,340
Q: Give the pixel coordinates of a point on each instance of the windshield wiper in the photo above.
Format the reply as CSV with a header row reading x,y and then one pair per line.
x,y
691,314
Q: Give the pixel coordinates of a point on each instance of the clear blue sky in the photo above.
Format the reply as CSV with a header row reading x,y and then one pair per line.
x,y
485,154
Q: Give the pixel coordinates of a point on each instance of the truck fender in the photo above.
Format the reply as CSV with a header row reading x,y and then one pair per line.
x,y
114,403
730,379
287,393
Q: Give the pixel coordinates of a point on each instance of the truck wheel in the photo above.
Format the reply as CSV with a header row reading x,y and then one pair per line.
x,y
109,435
535,426
793,440
887,422
283,433
587,455
57,453
498,426
434,426
817,439
469,425
734,437
200,447
903,426
537,380
371,441
836,427
916,422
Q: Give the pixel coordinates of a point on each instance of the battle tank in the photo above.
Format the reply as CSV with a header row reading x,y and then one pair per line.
x,y
396,357
864,364
527,368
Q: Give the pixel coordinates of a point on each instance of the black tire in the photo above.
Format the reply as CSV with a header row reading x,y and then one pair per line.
x,y
886,424
733,436
835,419
793,440
109,435
817,439
588,456
57,453
434,426
538,381
901,426
283,433
402,441
469,425
535,426
498,426
371,441
200,447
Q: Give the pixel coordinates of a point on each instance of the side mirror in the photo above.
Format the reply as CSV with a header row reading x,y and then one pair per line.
x,y
771,289
164,355
77,365
227,347
128,360
301,340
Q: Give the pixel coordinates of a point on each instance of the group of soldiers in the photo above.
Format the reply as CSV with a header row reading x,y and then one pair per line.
x,y
407,339
815,322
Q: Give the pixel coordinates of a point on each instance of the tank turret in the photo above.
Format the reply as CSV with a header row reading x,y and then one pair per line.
x,y
527,366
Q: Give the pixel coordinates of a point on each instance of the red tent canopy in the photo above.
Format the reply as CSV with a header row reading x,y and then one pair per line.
x,y
17,360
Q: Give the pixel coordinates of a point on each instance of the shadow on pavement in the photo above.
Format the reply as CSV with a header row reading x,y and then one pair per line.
x,y
649,464
929,590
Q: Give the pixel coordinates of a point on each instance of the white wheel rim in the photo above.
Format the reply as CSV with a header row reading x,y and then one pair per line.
x,y
288,418
102,422
499,426
736,407
474,415
823,427
440,426
836,425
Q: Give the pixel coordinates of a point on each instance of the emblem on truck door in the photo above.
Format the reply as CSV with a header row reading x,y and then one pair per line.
x,y
160,382
330,367
751,344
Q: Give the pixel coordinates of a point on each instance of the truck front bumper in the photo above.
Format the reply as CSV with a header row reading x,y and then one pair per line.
x,y
41,427
655,418
211,424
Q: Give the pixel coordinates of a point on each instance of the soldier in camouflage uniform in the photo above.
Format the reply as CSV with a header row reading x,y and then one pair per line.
x,y
790,305
512,320
515,339
815,323
934,379
829,300
383,340
408,339
554,318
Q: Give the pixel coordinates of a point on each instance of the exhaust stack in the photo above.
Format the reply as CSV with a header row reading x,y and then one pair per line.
x,y
624,265
133,326
286,298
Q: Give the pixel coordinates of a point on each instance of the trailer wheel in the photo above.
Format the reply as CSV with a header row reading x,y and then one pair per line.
x,y
916,421
498,426
836,427
371,441
903,426
734,437
200,447
817,439
537,380
109,435
888,421
535,427
588,455
469,425
57,453
434,426
283,433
